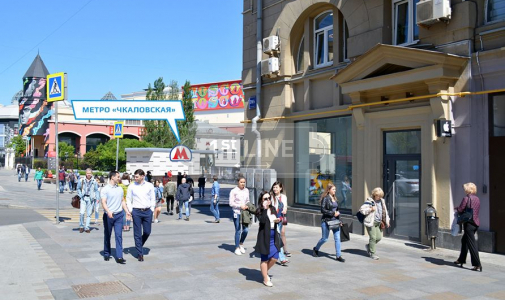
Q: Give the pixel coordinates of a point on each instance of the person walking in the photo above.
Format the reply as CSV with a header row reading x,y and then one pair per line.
x,y
87,190
77,176
27,172
158,193
183,196
113,213
214,201
280,203
239,197
191,182
125,182
169,190
268,243
470,227
20,172
39,176
376,219
61,179
201,186
329,209
140,200
71,179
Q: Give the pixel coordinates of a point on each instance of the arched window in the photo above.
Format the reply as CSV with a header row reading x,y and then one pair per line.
x,y
323,39
495,10
299,57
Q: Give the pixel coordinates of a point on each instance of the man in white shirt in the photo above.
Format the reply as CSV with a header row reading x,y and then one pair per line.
x,y
114,209
140,200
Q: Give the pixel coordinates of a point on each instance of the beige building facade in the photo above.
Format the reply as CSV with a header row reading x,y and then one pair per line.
x,y
358,95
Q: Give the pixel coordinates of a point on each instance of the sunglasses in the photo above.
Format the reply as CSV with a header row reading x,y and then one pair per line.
x,y
266,198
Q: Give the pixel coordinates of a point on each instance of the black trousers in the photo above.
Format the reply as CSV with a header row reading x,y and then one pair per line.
x,y
170,203
468,242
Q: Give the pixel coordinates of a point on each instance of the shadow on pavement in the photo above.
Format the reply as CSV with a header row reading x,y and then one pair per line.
x,y
439,262
321,254
417,246
133,251
254,254
251,274
227,247
356,252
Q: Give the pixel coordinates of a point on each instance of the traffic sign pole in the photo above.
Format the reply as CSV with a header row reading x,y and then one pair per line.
x,y
57,160
117,154
56,85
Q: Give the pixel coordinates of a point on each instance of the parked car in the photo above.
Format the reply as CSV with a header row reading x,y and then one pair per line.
x,y
406,186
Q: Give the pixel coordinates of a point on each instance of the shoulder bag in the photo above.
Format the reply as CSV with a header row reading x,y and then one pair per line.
x,y
333,224
467,214
76,202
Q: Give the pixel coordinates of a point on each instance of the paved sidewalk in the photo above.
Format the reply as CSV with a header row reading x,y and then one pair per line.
x,y
195,260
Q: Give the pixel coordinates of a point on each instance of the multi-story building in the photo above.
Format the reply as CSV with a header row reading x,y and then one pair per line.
x,y
359,88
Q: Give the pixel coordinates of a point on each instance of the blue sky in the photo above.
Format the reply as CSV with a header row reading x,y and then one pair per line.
x,y
120,46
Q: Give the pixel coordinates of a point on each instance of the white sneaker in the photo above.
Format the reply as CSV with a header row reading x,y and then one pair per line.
x,y
156,221
238,252
242,249
268,283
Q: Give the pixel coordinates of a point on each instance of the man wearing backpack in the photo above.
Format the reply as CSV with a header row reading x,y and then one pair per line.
x,y
87,189
61,178
169,190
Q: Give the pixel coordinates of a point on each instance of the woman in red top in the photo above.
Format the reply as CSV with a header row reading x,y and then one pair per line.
x,y
468,241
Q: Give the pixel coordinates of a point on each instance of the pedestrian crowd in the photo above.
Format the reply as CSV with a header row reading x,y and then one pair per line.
x,y
141,202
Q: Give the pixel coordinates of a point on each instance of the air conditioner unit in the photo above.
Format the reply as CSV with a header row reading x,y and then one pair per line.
x,y
270,67
432,11
271,44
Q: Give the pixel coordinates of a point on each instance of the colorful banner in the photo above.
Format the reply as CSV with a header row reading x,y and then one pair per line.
x,y
217,96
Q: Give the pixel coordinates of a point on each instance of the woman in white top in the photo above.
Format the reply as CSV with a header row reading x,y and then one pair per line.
x,y
239,197
279,201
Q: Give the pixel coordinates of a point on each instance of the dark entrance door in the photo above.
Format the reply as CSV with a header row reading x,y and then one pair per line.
x,y
402,183
496,167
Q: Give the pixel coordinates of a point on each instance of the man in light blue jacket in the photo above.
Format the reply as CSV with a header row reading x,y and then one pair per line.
x,y
214,199
87,189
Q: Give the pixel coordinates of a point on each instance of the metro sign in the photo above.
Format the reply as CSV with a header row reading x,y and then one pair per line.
x,y
181,153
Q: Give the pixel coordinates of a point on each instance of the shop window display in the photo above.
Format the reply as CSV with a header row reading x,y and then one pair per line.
x,y
324,156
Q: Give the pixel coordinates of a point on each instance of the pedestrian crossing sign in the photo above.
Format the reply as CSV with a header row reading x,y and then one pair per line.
x,y
118,130
55,87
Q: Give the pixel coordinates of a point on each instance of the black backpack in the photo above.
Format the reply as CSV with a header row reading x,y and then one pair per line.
x,y
360,216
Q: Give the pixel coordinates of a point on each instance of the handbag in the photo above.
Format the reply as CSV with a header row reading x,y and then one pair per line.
x,y
382,225
467,214
344,233
76,202
284,220
333,224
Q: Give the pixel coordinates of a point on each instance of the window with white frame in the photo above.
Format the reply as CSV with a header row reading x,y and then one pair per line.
x,y
225,154
495,10
405,29
323,39
233,154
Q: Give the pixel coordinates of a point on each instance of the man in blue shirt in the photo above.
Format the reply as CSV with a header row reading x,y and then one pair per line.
x,y
87,190
214,199
114,209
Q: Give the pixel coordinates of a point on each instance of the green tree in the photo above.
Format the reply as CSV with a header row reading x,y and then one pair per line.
x,y
18,144
158,133
174,90
107,157
187,128
65,150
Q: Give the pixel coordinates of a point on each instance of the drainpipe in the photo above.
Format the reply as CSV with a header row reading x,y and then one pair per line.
x,y
259,54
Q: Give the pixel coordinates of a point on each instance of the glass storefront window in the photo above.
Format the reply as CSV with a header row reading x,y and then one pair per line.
x,y
323,150
403,142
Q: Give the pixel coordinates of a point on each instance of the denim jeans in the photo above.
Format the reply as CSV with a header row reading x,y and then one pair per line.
x,y
240,237
282,257
141,228
39,183
19,177
325,230
26,177
115,223
86,207
96,208
214,208
62,186
185,203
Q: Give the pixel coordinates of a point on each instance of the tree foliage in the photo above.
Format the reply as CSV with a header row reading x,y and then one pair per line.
x,y
104,157
18,144
65,150
159,133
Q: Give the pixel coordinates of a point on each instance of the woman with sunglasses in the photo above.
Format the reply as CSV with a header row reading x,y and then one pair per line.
x,y
269,242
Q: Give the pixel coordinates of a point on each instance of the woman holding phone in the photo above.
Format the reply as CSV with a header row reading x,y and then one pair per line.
x,y
269,242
